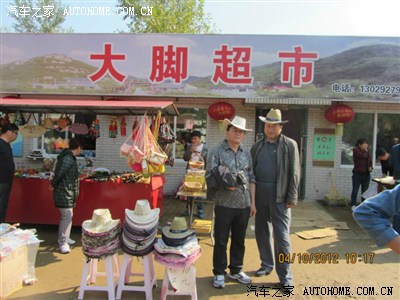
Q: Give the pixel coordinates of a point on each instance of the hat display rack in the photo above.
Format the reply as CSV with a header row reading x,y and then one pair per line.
x,y
101,236
178,247
140,229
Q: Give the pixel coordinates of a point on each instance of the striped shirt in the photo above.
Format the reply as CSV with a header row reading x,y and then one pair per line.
x,y
235,162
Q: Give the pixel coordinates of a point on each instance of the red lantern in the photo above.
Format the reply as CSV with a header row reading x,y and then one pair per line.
x,y
339,114
221,110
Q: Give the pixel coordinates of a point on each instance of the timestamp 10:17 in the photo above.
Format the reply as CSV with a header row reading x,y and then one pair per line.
x,y
353,257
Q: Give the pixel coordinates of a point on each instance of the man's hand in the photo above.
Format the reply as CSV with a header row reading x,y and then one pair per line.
x,y
290,205
253,211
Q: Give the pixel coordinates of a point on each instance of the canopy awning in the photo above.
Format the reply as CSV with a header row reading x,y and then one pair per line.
x,y
99,107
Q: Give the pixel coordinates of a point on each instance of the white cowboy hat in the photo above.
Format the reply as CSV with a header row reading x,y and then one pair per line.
x,y
237,122
101,221
274,116
177,230
142,214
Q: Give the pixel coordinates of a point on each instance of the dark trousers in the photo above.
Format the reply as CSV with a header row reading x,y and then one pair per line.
x,y
359,179
229,221
5,190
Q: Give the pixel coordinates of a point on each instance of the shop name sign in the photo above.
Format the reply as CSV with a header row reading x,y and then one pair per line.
x,y
231,65
228,66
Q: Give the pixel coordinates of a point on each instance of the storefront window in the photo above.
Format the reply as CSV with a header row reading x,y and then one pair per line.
x,y
386,126
55,139
361,127
190,119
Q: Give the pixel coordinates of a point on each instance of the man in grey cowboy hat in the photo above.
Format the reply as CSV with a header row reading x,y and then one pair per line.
x,y
277,170
230,174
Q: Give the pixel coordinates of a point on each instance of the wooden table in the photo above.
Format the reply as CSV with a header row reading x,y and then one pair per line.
x,y
192,201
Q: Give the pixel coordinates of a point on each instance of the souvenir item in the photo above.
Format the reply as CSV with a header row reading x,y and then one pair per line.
x,y
123,126
78,128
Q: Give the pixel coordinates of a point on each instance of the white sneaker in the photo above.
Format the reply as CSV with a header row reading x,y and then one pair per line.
x,y
71,242
64,249
219,281
353,208
241,277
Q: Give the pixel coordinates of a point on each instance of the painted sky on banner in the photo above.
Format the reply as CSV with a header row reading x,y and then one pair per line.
x,y
137,48
303,17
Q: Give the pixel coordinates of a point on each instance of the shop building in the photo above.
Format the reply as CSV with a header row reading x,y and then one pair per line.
x,y
301,75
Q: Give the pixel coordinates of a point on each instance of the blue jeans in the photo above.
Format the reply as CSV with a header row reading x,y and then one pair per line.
x,y
359,179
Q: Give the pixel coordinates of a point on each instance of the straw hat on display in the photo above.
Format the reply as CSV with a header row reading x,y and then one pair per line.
x,y
274,116
101,222
101,235
237,122
177,230
142,214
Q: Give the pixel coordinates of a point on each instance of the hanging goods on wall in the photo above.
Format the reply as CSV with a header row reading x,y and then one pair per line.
x,y
32,130
19,119
94,130
78,128
123,126
63,122
144,153
48,122
113,128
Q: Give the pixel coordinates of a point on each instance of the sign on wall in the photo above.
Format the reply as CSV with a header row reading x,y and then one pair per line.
x,y
324,147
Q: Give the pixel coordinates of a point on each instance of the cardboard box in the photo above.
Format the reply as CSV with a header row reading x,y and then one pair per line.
x,y
13,269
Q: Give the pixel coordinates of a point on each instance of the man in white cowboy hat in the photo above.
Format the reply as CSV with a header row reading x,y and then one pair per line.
x,y
229,166
277,170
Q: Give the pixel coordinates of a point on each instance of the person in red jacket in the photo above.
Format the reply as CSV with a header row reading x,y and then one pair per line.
x,y
361,171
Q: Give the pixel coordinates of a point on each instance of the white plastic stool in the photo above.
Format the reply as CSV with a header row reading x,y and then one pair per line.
x,y
165,290
149,277
90,273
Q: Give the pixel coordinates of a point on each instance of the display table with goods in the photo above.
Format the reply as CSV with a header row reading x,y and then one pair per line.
x,y
194,188
31,199
18,249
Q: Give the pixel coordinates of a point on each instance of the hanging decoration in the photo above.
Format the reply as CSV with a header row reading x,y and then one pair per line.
x,y
113,128
123,126
339,114
78,128
221,110
94,130
142,151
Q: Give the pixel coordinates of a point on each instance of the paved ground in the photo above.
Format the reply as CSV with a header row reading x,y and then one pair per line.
x,y
59,275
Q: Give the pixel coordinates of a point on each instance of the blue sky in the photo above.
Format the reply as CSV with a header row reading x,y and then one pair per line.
x,y
312,17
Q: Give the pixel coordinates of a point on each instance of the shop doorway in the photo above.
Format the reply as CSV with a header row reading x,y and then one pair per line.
x,y
296,129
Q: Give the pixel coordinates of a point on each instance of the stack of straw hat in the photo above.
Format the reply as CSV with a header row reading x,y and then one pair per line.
x,y
101,235
140,229
178,247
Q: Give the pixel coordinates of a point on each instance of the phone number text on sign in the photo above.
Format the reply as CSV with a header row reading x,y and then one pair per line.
x,y
379,89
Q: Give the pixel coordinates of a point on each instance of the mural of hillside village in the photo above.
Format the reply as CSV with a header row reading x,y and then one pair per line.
x,y
375,65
